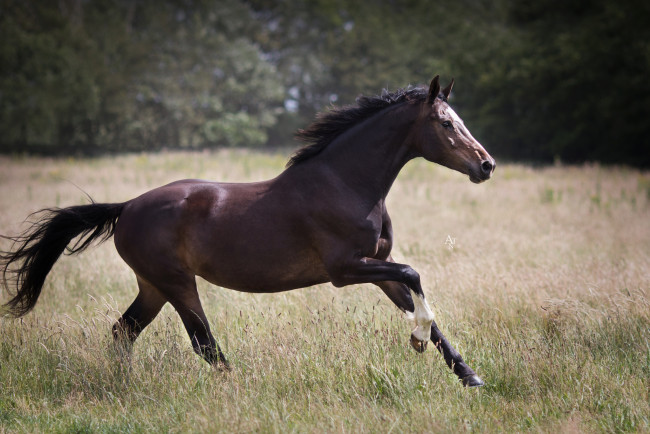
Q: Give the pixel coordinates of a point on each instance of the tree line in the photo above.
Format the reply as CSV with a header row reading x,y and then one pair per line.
x,y
536,81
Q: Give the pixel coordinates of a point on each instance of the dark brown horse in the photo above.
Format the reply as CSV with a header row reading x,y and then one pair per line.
x,y
323,219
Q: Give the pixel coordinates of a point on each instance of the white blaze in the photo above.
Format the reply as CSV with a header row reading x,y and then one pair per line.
x,y
460,126
454,116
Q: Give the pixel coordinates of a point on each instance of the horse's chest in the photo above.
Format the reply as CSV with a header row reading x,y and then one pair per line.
x,y
365,234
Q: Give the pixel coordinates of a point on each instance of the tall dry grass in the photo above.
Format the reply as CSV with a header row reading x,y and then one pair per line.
x,y
544,291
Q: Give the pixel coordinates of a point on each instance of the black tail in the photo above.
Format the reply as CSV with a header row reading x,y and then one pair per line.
x,y
41,245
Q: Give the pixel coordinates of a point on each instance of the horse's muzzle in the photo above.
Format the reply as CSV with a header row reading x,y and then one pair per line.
x,y
487,167
483,172
418,345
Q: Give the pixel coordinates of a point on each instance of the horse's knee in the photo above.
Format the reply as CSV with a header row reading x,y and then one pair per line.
x,y
412,277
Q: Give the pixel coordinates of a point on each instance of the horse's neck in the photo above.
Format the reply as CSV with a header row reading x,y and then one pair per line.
x,y
369,156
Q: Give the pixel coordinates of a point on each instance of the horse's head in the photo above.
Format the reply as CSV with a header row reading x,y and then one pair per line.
x,y
441,137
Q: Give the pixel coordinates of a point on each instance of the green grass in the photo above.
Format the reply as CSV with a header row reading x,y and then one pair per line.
x,y
545,293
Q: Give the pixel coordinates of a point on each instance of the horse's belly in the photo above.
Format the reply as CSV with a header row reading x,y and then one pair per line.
x,y
265,274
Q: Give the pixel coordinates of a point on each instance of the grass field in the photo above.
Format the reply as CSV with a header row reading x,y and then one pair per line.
x,y
545,291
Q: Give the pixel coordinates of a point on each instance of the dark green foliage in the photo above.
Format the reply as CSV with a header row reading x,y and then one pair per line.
x,y
572,85
105,75
537,81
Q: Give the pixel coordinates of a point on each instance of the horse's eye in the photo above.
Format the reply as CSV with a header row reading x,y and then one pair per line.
x,y
447,125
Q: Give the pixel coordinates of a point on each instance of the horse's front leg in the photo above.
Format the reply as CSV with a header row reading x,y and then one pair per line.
x,y
369,270
401,296
454,359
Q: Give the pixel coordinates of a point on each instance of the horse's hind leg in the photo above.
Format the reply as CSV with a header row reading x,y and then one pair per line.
x,y
139,315
401,296
188,305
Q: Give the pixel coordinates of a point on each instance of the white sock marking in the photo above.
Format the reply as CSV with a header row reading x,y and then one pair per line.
x,y
423,317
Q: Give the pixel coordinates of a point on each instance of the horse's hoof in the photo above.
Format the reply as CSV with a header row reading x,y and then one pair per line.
x,y
222,366
473,381
418,345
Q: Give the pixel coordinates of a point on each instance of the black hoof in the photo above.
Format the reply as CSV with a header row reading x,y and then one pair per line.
x,y
473,381
223,366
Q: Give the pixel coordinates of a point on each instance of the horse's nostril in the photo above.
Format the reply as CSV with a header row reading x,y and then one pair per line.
x,y
487,166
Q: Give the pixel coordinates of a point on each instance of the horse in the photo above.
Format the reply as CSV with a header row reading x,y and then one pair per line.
x,y
323,219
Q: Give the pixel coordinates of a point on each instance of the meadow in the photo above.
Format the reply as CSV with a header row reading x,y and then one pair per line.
x,y
540,277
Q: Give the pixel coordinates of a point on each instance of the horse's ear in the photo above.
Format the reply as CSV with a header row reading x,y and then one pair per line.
x,y
434,89
447,90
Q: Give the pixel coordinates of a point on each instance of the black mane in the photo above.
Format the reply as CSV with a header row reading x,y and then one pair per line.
x,y
329,125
